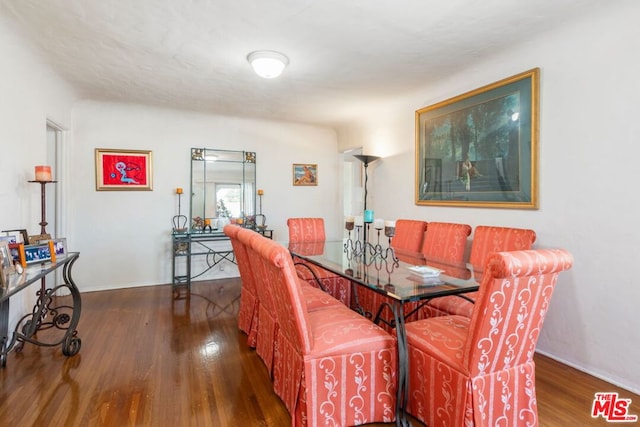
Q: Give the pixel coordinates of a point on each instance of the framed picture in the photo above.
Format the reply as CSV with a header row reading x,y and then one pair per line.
x,y
480,149
38,238
6,259
40,253
24,236
123,170
305,174
16,249
9,239
60,246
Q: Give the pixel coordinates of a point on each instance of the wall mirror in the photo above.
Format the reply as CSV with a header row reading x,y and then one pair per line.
x,y
223,188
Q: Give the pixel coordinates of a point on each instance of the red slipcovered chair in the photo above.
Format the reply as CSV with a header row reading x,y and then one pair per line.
x,y
409,235
446,241
486,240
248,311
311,230
332,367
479,371
264,324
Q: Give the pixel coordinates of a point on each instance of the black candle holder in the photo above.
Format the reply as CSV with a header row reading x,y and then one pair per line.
x,y
179,221
43,203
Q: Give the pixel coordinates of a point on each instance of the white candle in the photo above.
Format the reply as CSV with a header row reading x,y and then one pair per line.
x,y
389,223
359,221
378,224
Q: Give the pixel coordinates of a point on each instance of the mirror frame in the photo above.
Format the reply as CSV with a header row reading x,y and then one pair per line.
x,y
245,162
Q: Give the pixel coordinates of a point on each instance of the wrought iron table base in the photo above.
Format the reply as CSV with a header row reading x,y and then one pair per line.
x,y
46,314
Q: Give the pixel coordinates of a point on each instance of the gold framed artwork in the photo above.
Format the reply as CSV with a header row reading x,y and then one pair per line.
x,y
123,170
305,174
480,149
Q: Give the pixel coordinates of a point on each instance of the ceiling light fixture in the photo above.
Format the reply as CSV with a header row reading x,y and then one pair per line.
x,y
267,63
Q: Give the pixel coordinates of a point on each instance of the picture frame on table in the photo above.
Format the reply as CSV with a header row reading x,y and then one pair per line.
x,y
480,149
39,253
6,260
60,246
38,238
16,249
305,174
123,170
24,236
9,239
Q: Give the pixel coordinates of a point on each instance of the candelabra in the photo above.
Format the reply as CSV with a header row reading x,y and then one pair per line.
x,y
355,247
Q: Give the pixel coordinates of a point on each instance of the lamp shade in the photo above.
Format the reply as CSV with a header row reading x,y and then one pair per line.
x,y
267,63
366,159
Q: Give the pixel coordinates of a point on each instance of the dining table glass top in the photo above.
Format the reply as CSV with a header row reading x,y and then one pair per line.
x,y
403,276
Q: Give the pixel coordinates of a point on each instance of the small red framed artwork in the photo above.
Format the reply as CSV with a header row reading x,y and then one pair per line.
x,y
123,170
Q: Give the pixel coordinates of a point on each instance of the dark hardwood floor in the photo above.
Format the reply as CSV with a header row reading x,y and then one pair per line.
x,y
149,360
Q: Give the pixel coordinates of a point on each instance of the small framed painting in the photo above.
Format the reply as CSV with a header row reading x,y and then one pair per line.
x,y
60,246
305,174
123,170
40,253
39,238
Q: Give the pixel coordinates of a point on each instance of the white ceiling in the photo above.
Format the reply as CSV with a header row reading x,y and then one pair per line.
x,y
345,55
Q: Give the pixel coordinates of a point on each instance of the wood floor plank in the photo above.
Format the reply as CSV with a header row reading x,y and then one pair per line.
x,y
149,360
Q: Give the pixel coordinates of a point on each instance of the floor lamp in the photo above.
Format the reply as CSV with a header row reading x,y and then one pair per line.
x,y
366,160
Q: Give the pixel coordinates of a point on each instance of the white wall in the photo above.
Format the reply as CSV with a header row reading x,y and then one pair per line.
x,y
30,93
589,204
125,236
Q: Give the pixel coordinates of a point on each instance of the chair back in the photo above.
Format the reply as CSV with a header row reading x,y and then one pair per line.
x,y
246,237
409,235
446,241
512,303
306,230
487,239
291,307
244,262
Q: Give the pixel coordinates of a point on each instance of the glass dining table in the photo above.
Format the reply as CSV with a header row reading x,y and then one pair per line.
x,y
402,277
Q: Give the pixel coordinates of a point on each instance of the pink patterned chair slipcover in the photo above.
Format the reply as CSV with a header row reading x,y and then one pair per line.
x,y
446,241
479,371
264,326
409,235
486,240
311,230
332,366
248,312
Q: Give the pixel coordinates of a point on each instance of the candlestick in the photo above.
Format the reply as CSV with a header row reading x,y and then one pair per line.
x,y
43,203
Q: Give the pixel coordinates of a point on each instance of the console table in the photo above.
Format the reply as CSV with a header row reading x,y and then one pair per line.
x,y
50,311
188,245
197,244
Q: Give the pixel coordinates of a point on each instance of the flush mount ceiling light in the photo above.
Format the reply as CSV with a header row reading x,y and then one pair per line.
x,y
267,63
